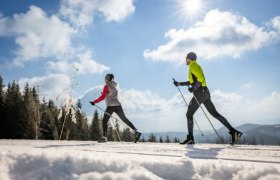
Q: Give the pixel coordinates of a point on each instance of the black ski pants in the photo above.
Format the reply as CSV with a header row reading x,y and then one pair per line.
x,y
119,111
203,97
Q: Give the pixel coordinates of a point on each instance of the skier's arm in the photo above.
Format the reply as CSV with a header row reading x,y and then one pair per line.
x,y
103,95
184,83
176,83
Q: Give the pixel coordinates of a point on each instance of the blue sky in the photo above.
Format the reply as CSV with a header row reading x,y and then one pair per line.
x,y
72,45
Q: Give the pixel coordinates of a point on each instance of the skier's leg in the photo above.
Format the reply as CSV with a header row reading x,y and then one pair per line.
x,y
120,113
212,110
106,118
193,106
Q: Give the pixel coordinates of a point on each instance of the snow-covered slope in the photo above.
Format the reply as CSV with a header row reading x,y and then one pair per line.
x,y
27,159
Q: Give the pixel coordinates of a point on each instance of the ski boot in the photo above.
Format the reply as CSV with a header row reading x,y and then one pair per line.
x,y
103,139
189,140
235,136
137,136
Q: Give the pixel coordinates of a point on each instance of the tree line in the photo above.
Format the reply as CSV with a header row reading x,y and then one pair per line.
x,y
24,116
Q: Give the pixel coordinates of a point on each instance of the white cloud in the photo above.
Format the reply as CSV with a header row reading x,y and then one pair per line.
x,y
61,66
226,98
38,35
239,110
149,112
219,34
275,22
81,12
3,25
52,86
142,100
87,65
115,10
43,37
84,65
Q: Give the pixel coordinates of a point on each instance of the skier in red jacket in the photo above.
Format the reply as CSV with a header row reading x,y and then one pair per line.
x,y
110,94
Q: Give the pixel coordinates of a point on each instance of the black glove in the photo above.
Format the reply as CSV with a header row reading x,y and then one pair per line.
x,y
176,83
92,103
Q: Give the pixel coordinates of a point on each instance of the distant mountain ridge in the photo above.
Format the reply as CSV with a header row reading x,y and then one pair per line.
x,y
252,134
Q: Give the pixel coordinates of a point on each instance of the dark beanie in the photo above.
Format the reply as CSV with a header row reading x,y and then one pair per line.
x,y
191,56
109,77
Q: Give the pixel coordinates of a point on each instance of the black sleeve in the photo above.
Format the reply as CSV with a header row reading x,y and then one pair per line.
x,y
185,83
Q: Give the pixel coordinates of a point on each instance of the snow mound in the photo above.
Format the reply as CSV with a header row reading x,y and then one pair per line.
x,y
20,159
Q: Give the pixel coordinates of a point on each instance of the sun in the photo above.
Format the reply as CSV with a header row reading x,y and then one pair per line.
x,y
191,9
192,6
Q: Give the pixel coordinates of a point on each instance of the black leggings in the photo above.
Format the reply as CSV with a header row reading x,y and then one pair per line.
x,y
119,111
203,97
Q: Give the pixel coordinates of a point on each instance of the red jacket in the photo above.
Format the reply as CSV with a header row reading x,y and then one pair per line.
x,y
103,95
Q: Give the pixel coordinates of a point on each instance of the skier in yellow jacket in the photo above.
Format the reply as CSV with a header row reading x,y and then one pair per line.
x,y
197,86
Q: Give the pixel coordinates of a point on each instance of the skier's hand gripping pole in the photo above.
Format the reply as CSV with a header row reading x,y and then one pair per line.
x,y
188,105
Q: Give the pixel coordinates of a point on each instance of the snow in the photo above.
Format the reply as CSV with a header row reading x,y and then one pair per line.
x,y
31,159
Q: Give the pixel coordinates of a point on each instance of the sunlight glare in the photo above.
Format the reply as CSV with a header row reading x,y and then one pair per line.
x,y
190,9
192,6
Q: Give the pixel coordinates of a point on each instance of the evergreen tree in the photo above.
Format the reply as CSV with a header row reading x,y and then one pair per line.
x,y
176,140
160,139
82,126
66,122
30,113
142,139
127,136
62,123
117,130
111,134
3,119
95,127
14,102
46,122
167,140
36,111
70,128
53,112
152,138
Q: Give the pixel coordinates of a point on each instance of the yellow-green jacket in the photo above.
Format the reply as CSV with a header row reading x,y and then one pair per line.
x,y
196,73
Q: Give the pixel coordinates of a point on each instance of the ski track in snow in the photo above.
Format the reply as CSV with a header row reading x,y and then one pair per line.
x,y
31,159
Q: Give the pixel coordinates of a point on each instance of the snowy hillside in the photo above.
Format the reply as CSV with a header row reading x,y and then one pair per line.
x,y
27,159
252,133
260,134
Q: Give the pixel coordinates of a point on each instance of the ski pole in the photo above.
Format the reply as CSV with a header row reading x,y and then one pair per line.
x,y
188,105
111,117
208,118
